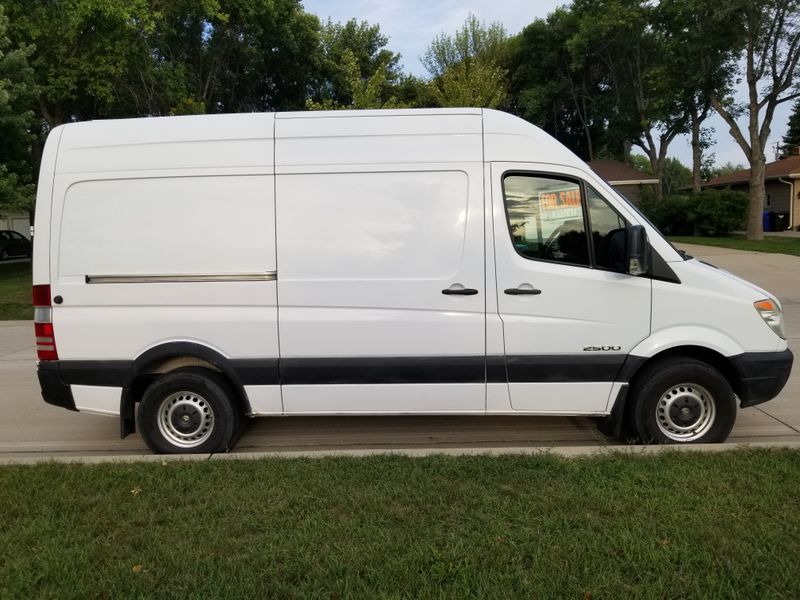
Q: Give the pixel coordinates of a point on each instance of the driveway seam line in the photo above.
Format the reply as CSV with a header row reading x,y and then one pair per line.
x,y
777,419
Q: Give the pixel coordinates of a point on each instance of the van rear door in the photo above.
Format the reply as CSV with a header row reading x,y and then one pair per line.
x,y
570,313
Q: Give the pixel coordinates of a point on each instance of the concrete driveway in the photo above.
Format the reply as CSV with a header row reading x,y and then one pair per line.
x,y
32,428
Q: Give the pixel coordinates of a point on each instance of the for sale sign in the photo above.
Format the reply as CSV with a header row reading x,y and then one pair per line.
x,y
560,206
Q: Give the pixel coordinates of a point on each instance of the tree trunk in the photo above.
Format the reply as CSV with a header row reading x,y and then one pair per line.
x,y
755,216
659,189
697,153
626,151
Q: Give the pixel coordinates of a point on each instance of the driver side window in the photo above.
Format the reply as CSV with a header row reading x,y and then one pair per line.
x,y
608,233
545,218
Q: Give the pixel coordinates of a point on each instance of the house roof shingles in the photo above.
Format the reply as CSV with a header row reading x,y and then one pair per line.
x,y
780,168
616,172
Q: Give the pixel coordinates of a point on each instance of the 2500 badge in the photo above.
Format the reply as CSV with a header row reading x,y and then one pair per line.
x,y
602,348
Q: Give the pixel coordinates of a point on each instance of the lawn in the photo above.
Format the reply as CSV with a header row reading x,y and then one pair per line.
x,y
774,244
661,526
15,291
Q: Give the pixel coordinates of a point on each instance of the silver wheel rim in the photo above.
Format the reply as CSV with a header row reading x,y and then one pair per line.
x,y
685,412
185,419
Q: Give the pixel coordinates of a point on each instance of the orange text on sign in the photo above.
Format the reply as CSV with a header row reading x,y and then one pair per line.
x,y
556,200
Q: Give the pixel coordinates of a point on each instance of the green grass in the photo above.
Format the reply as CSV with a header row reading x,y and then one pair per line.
x,y
773,244
15,291
663,526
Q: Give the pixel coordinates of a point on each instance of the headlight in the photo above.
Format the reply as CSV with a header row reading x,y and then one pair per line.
x,y
772,314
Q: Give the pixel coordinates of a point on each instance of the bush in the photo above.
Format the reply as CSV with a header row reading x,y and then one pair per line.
x,y
672,215
718,212
711,212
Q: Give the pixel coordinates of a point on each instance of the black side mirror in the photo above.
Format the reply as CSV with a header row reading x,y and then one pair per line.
x,y
637,259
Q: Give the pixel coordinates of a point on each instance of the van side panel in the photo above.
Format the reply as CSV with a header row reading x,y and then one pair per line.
x,y
167,250
369,237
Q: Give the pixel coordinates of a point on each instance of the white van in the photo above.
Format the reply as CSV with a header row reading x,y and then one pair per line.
x,y
192,271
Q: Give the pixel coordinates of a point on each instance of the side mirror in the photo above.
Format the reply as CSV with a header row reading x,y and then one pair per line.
x,y
637,250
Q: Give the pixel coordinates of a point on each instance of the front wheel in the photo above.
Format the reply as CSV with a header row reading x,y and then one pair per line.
x,y
189,411
682,401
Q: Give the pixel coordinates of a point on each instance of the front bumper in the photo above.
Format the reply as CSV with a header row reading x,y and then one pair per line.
x,y
54,390
762,375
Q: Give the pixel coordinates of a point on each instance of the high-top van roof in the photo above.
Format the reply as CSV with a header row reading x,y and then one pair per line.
x,y
248,140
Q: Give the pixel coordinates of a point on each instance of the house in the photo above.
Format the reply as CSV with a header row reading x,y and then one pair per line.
x,y
20,223
782,183
627,180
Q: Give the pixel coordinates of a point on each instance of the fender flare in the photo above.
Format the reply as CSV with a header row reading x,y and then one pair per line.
x,y
693,338
174,350
687,335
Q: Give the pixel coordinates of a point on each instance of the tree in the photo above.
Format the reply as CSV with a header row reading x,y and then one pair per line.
x,y
253,55
791,140
17,173
674,176
567,94
625,36
84,57
475,41
351,50
770,34
84,54
699,65
477,84
362,93
711,171
466,67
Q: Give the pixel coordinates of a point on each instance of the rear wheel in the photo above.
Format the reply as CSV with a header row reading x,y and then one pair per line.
x,y
3,254
682,401
189,411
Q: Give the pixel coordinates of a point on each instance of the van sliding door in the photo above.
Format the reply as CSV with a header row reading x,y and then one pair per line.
x,y
381,286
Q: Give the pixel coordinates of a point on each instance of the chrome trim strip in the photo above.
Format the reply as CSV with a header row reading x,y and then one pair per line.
x,y
196,278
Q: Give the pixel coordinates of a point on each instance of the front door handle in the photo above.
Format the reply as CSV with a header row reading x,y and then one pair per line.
x,y
520,291
459,291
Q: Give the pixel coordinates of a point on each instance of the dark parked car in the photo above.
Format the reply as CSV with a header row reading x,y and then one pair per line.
x,y
13,244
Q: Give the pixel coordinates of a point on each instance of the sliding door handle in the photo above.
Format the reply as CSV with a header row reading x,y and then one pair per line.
x,y
459,292
520,291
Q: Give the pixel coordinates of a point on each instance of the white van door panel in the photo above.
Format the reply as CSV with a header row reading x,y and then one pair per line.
x,y
141,261
567,327
367,263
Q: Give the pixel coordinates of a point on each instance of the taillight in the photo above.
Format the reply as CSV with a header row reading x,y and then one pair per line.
x,y
43,323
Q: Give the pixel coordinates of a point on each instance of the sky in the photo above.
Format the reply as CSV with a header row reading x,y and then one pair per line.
x,y
412,24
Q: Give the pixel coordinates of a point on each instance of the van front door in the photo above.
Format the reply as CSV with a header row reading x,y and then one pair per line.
x,y
570,313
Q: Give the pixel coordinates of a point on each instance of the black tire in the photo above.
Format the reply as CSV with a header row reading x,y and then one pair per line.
x,y
201,398
4,254
682,401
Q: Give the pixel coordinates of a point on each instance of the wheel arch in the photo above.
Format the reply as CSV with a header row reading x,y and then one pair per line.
x,y
704,354
168,357
635,366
